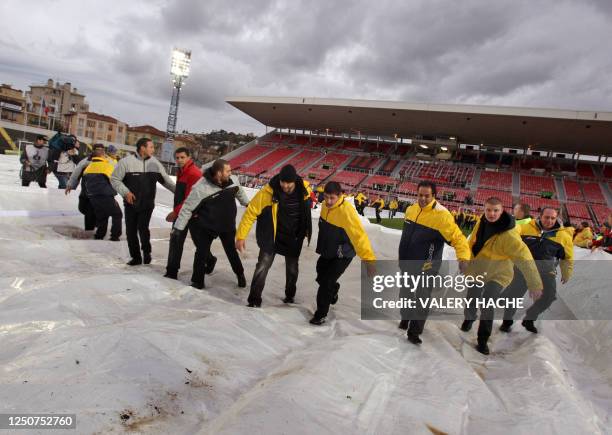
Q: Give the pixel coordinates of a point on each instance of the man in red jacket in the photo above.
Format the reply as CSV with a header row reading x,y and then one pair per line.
x,y
187,175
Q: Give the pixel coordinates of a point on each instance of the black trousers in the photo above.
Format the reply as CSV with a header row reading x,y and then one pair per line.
x,y
105,207
137,225
329,270
175,250
360,208
88,212
40,176
491,289
416,316
203,238
518,288
378,220
264,262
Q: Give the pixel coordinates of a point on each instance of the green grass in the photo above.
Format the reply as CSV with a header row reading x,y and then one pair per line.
x,y
398,224
395,223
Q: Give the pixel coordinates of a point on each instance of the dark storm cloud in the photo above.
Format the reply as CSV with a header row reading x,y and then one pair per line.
x,y
547,53
212,17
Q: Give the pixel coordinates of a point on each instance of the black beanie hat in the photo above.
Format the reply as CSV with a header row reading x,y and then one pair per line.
x,y
288,174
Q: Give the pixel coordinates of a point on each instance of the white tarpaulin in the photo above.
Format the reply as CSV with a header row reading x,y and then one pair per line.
x,y
124,348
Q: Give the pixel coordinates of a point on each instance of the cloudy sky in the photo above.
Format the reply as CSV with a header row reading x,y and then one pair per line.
x,y
539,53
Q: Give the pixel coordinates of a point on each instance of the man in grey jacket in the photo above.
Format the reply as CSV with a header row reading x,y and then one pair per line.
x,y
210,210
135,178
34,161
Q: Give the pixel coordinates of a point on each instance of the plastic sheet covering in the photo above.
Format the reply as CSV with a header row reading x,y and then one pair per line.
x,y
126,349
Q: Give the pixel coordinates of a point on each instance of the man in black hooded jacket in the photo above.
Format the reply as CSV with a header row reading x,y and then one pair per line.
x,y
210,212
283,221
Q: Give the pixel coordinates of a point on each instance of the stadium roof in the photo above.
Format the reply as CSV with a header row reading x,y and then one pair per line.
x,y
569,131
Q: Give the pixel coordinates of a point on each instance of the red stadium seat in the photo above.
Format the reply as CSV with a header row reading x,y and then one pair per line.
x,y
535,184
578,210
585,170
267,162
389,167
572,190
348,178
407,188
459,194
300,161
248,155
535,203
592,193
483,194
496,180
352,145
601,212
326,167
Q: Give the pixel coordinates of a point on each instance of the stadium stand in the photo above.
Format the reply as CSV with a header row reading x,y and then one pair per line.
x,y
275,138
300,161
454,195
351,145
592,193
601,212
496,180
533,184
379,148
248,156
348,178
585,170
536,202
577,210
323,143
572,190
378,180
326,167
483,194
267,162
364,163
300,141
388,167
407,188
409,169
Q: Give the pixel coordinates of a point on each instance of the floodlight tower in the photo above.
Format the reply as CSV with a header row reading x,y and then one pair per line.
x,y
181,60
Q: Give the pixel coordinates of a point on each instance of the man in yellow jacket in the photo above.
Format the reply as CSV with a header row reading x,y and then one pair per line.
x,y
496,246
101,194
550,243
427,227
341,237
360,202
378,205
393,205
584,237
282,213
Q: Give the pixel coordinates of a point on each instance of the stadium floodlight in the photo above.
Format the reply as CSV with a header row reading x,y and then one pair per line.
x,y
179,69
181,61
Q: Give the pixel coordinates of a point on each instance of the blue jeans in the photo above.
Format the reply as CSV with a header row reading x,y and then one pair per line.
x,y
63,178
